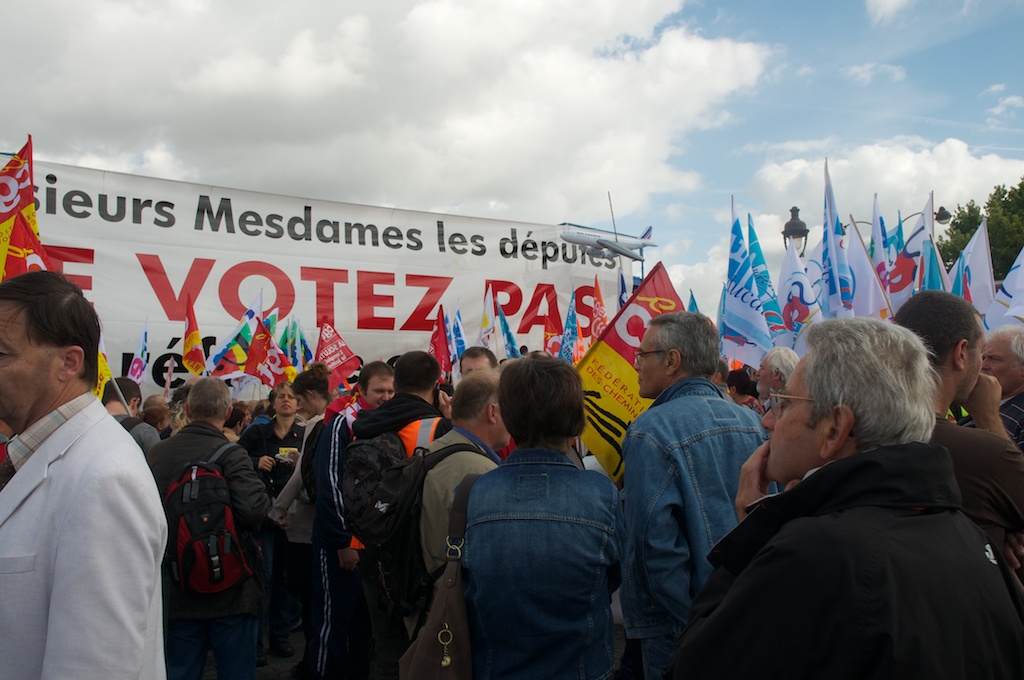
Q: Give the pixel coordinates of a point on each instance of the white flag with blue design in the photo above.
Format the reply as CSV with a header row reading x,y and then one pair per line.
x,y
745,335
837,283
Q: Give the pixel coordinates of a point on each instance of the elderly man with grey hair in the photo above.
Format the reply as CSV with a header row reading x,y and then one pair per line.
x,y
1003,359
776,367
865,566
683,458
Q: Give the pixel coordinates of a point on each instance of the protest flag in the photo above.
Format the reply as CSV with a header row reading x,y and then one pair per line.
x,y
453,354
623,291
1007,303
931,273
334,351
21,251
799,304
598,313
869,298
228,358
904,274
879,250
137,369
691,306
744,331
192,356
765,289
270,321
610,387
977,283
439,343
17,190
571,331
552,336
265,359
458,333
487,326
836,297
508,339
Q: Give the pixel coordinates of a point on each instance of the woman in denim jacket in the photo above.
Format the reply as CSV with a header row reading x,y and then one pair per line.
x,y
542,540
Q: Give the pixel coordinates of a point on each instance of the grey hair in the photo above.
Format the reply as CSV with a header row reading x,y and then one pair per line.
x,y
783,360
694,336
878,369
209,400
1014,335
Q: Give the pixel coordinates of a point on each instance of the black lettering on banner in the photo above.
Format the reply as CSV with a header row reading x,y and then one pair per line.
x,y
323,236
75,199
248,220
306,233
204,213
508,246
104,208
413,237
478,244
529,247
440,236
166,217
138,205
274,227
361,230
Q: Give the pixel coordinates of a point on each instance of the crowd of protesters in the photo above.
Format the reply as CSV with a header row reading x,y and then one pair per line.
x,y
820,516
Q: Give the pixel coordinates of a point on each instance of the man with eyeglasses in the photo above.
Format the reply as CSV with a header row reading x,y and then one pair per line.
x,y
682,464
865,567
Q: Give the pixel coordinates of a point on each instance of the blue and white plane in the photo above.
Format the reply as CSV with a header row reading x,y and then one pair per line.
x,y
610,246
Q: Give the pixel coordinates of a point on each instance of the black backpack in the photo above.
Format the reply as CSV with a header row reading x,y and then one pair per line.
x,y
366,460
392,528
204,549
306,468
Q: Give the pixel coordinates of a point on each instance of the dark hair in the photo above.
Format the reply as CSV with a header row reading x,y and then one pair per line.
x,y
474,393
129,388
238,415
941,320
416,372
740,379
541,401
371,371
476,353
56,314
314,379
156,414
180,395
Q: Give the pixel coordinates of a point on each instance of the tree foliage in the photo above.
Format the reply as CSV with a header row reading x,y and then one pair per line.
x,y
1005,212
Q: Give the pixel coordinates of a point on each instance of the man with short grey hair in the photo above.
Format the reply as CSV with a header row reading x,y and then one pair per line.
x,y
776,367
683,459
867,551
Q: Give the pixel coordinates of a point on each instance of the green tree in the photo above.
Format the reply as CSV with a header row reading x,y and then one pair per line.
x,y
1005,212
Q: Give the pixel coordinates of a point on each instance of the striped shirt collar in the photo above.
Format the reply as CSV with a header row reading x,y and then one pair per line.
x,y
23,445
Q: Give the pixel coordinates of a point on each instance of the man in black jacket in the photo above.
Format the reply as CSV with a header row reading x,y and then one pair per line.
x,y
225,621
865,567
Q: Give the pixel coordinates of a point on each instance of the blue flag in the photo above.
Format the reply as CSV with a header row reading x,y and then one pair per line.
x,y
837,282
511,346
745,335
765,289
691,306
571,331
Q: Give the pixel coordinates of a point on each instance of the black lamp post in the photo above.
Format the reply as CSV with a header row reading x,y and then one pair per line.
x,y
795,231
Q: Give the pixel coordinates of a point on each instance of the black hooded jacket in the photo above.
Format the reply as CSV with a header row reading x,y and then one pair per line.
x,y
396,413
866,569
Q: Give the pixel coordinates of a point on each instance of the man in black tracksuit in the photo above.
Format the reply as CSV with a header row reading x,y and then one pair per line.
x,y
412,415
865,567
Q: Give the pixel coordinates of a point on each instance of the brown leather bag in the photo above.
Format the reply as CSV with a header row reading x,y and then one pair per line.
x,y
441,650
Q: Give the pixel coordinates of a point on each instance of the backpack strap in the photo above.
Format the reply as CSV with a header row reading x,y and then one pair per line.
x,y
457,520
221,450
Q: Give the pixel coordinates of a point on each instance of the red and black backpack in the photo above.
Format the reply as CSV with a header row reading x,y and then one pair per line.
x,y
204,549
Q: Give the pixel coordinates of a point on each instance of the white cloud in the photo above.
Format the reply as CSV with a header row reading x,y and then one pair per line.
x,y
993,89
529,110
865,73
883,11
1006,104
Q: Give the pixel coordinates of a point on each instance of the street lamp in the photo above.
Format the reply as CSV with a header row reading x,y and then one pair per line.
x,y
942,216
795,231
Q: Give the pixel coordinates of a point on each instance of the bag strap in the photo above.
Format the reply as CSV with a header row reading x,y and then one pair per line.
x,y
212,460
457,520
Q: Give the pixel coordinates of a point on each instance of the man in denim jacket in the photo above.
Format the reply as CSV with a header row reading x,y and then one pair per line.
x,y
683,459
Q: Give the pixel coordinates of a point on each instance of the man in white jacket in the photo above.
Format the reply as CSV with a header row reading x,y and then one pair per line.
x,y
82,528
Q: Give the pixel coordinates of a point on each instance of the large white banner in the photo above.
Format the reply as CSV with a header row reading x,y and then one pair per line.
x,y
140,247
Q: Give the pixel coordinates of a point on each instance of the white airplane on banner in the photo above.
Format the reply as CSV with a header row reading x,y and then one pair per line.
x,y
626,246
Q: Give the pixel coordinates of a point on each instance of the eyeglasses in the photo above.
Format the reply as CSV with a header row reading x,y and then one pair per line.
x,y
775,400
638,356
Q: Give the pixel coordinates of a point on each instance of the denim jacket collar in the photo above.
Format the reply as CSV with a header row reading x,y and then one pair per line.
x,y
534,456
687,387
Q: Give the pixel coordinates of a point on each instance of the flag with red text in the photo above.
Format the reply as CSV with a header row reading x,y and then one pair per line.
x,y
266,361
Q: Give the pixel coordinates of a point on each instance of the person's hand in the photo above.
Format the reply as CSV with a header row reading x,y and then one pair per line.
x,y
983,405
265,464
753,480
348,558
1013,550
444,403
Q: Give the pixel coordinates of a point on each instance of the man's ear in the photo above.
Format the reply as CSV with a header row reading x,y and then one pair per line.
x,y
73,359
837,434
959,355
673,360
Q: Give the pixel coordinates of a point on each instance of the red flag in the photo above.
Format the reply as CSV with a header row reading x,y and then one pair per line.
x,y
266,361
598,314
552,335
334,351
439,343
192,356
16,188
23,252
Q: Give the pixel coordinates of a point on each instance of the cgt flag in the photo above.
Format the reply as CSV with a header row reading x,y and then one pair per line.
x,y
266,361
192,356
334,351
610,384
20,249
17,192
439,343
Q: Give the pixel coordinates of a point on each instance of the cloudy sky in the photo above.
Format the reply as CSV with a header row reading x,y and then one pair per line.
x,y
536,109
